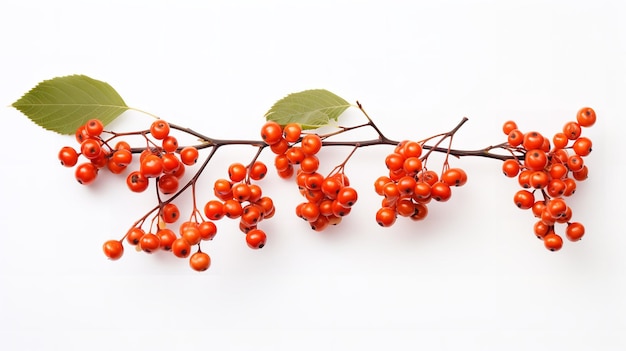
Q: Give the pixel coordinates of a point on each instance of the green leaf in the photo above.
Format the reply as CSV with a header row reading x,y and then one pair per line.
x,y
63,104
311,108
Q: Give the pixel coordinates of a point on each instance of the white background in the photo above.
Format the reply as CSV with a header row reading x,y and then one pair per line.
x,y
472,276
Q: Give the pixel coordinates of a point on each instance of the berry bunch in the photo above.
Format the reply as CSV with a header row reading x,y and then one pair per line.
x,y
548,172
161,159
241,199
163,238
328,198
410,186
97,152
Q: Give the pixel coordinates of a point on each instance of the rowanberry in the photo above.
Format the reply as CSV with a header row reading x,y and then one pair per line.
x,y
151,166
541,229
575,163
570,186
241,192
214,210
281,162
160,129
539,179
166,238
572,130
420,211
280,147
149,243
207,229
532,140
556,207
340,210
412,165
581,174
454,177
586,117
347,196
515,138
168,184
394,162
256,238
181,248
430,177
538,208
556,188
94,127
295,155
524,199
553,241
189,155
237,172
287,172
170,213
122,157
81,134
574,231
223,187
558,171
86,173
113,249
255,192
114,167
378,185
122,145
292,132
257,171
582,146
421,191
68,156
91,148
170,162
320,223
313,181
191,234
134,235
137,182
252,215
101,160
310,211
535,159
404,207
560,140
510,168
386,216
271,132
411,149
508,127
232,208
309,164
169,143
406,185
440,191
311,144
200,261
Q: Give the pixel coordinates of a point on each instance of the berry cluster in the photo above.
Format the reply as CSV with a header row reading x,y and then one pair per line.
x,y
163,238
548,173
161,159
328,198
410,186
240,199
